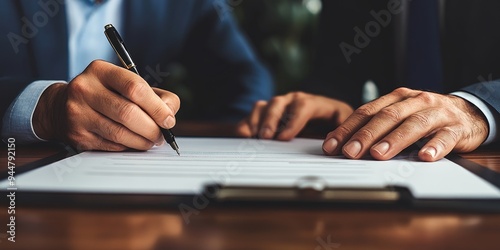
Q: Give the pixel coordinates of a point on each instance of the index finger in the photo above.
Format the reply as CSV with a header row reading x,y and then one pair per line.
x,y
335,140
136,89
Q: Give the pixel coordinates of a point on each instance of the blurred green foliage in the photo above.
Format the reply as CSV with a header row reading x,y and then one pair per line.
x,y
284,34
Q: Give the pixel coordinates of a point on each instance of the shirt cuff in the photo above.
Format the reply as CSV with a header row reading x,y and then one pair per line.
x,y
18,119
481,105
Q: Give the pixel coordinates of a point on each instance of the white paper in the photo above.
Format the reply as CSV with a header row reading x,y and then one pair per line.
x,y
246,162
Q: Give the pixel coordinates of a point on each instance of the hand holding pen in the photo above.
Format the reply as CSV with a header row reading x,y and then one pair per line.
x,y
121,51
107,108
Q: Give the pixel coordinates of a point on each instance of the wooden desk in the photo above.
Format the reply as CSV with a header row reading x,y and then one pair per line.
x,y
248,227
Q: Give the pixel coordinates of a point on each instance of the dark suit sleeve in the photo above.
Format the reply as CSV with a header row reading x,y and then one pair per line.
x,y
229,77
489,92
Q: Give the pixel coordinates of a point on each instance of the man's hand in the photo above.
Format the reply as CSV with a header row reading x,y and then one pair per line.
x,y
393,122
292,111
105,108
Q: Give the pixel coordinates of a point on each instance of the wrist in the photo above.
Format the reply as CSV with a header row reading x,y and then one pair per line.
x,y
49,113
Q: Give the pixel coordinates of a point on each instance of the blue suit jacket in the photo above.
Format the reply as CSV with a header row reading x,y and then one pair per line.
x,y
225,76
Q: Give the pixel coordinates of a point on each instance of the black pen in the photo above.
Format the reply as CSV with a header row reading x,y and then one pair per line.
x,y
118,45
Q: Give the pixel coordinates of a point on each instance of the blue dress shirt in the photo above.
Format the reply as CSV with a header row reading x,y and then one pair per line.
x,y
86,20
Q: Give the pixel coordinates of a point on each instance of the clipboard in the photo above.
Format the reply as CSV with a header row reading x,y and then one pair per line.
x,y
393,197
308,191
312,191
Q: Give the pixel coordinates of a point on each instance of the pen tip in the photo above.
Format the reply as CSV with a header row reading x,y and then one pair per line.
x,y
178,152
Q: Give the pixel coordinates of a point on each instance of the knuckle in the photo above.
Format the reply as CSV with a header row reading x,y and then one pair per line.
x,y
299,95
260,103
402,91
342,131
391,114
365,110
126,112
95,65
135,90
453,133
118,134
158,112
77,86
365,135
277,100
427,97
441,143
421,120
399,135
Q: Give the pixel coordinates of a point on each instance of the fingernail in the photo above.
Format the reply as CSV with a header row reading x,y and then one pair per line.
x,y
353,148
169,122
330,145
430,151
382,148
266,133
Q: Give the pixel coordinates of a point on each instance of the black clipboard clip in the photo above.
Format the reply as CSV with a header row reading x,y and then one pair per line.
x,y
308,189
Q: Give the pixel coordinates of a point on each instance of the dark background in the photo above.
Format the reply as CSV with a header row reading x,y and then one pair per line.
x,y
284,35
